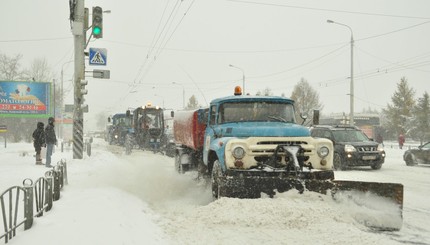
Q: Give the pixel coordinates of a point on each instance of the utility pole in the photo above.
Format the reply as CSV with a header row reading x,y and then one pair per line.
x,y
79,44
351,86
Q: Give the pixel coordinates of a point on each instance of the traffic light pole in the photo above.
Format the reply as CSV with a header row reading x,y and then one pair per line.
x,y
79,44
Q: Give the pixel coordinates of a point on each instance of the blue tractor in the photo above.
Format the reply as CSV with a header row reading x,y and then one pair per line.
x,y
121,123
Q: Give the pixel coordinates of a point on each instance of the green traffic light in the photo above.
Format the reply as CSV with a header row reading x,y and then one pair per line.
x,y
97,30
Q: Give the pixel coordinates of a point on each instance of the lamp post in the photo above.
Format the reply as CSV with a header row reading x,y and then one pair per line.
x,y
243,76
351,93
183,94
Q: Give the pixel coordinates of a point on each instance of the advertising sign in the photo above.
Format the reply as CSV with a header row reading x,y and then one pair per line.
x,y
25,99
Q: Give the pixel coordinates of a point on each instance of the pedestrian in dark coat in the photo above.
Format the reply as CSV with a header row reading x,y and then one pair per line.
x,y
39,141
51,140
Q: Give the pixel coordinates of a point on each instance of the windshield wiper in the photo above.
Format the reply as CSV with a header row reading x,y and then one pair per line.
x,y
279,119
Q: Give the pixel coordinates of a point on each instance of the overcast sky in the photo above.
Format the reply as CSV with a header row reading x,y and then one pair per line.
x,y
153,43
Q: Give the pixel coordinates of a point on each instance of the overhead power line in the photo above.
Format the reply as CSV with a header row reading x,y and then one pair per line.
x,y
35,39
331,10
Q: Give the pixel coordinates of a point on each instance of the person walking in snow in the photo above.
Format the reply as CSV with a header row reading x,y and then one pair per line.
x,y
401,140
39,141
50,139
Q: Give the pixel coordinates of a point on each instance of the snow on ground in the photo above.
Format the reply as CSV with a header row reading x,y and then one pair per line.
x,y
113,198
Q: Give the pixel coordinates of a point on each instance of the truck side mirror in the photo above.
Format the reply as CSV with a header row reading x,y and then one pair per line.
x,y
172,114
109,119
316,117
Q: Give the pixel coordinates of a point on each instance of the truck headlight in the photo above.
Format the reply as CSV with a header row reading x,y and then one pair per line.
x,y
380,148
238,152
323,151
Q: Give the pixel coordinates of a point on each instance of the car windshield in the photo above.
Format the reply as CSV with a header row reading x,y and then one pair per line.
x,y
349,136
256,111
426,146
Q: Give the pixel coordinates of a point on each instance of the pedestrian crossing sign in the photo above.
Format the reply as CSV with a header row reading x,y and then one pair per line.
x,y
98,56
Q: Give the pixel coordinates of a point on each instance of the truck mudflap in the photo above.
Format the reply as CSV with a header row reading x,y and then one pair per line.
x,y
249,184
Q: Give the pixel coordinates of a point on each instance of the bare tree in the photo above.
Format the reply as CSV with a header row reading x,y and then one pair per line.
x,y
306,98
10,67
39,71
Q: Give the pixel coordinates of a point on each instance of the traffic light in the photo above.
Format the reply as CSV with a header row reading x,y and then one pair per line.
x,y
97,25
83,91
83,84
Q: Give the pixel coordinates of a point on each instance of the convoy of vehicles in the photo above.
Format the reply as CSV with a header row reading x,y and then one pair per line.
x,y
249,145
351,146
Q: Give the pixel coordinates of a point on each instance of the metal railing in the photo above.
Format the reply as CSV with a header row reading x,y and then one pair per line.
x,y
33,197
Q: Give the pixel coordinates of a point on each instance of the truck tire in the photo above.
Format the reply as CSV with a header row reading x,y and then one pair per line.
x,y
128,145
337,162
216,173
178,166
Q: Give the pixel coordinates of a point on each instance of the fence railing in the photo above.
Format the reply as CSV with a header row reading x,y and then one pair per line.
x,y
32,198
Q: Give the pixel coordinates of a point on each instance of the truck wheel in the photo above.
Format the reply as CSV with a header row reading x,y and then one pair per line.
x,y
128,145
337,162
178,165
216,173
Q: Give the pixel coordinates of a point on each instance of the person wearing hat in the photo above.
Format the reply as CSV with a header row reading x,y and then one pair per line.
x,y
50,139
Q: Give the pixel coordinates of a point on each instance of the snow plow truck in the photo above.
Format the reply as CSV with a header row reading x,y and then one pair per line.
x,y
248,145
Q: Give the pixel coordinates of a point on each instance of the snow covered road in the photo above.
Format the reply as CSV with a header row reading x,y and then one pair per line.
x,y
113,198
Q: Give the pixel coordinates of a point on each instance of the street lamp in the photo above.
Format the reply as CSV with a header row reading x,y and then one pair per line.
x,y
183,94
243,76
351,93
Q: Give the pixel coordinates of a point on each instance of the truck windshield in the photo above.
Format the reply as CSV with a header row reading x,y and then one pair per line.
x,y
256,111
152,119
122,121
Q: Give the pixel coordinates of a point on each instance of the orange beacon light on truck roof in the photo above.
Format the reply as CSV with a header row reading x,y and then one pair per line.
x,y
237,90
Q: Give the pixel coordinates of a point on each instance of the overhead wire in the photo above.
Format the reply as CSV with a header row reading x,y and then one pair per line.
x,y
330,10
157,43
151,46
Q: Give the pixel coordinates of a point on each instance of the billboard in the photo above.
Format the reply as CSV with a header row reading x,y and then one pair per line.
x,y
25,99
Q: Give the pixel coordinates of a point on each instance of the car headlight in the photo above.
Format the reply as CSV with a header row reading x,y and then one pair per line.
x,y
238,152
350,148
116,136
380,148
323,151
